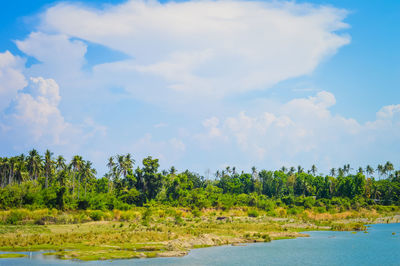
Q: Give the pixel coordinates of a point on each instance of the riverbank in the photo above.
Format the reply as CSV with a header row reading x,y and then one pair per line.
x,y
174,231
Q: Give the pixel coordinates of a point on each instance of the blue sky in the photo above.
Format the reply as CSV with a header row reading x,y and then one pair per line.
x,y
203,84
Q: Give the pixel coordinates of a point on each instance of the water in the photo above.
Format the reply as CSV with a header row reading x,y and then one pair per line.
x,y
378,247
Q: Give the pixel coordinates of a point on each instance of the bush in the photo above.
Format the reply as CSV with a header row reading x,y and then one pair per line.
x,y
128,216
320,209
96,215
252,213
14,217
196,212
294,211
266,238
267,205
309,202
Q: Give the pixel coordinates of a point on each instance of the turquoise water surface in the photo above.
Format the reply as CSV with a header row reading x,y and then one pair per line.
x,y
377,247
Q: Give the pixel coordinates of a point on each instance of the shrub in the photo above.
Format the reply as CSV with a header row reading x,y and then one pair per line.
x,y
252,213
309,202
96,215
266,238
294,211
196,212
128,216
14,217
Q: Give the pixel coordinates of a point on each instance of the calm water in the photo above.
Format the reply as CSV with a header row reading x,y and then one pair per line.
x,y
378,247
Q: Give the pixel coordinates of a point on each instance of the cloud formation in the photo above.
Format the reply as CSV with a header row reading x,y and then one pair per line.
x,y
11,78
304,130
30,114
199,48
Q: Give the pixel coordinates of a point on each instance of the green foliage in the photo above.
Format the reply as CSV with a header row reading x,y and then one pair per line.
x,y
96,215
15,216
37,181
252,213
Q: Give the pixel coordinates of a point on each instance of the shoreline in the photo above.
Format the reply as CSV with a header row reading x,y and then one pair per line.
x,y
181,246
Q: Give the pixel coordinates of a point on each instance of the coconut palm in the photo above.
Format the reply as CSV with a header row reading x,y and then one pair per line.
x,y
381,170
300,169
333,172
370,171
313,169
60,163
34,164
76,165
360,170
388,168
291,170
87,173
283,169
48,166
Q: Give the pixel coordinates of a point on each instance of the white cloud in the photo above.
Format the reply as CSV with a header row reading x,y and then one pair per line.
x,y
304,130
51,49
33,117
197,48
11,78
38,111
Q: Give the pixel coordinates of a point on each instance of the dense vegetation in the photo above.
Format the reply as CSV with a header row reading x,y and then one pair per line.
x,y
36,181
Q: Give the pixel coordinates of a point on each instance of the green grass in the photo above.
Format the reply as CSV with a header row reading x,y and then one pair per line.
x,y
12,255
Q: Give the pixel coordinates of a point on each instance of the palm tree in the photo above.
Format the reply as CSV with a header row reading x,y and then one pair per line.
x,y
333,172
370,171
110,175
60,163
129,161
340,172
234,170
389,168
283,169
217,174
76,165
3,170
87,173
347,169
360,170
34,164
292,170
48,165
254,172
313,169
121,167
20,167
11,168
381,170
396,177
300,169
172,171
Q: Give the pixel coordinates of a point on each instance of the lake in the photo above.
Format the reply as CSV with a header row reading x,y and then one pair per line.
x,y
377,247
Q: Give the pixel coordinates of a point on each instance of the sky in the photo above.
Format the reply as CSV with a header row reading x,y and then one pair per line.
x,y
203,84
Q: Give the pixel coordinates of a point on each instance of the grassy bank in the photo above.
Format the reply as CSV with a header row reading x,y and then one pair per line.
x,y
165,231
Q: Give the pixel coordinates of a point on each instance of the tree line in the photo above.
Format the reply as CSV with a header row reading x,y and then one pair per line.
x,y
36,181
